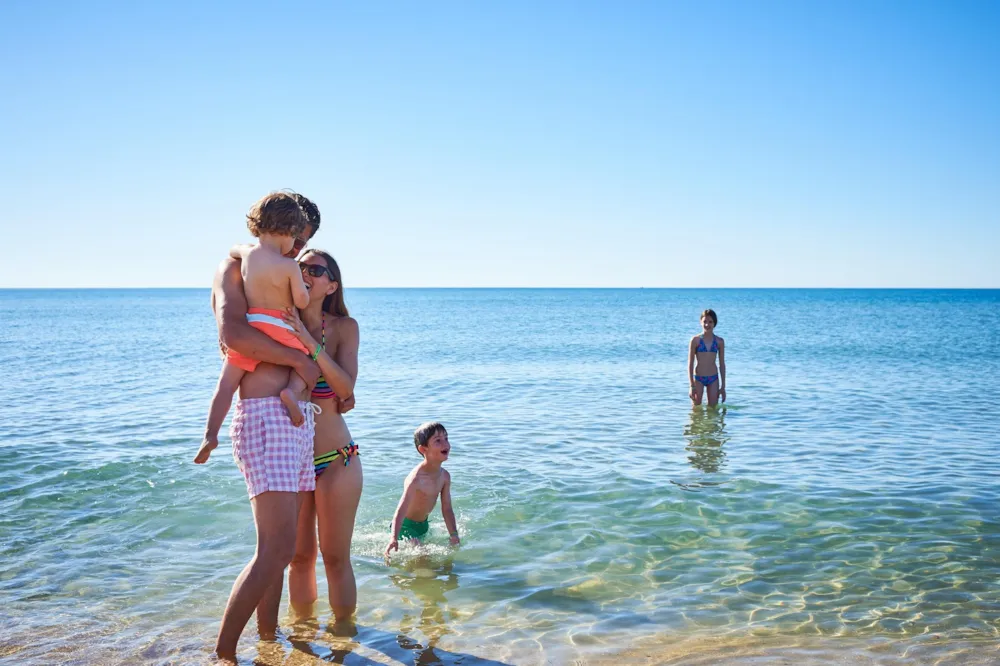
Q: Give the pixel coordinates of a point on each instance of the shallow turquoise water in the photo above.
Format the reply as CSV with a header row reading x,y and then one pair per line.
x,y
845,502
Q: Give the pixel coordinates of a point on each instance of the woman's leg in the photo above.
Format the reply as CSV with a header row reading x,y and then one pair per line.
x,y
699,392
302,574
338,492
713,393
275,515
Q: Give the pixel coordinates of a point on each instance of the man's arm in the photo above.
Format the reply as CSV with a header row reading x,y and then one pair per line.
x,y
231,316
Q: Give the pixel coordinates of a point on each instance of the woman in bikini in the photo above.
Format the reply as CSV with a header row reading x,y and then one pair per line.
x,y
331,335
702,372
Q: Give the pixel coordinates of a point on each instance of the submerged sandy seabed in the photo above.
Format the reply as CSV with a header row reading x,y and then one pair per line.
x,y
809,651
372,646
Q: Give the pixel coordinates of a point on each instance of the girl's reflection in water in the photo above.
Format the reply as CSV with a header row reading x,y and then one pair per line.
x,y
706,435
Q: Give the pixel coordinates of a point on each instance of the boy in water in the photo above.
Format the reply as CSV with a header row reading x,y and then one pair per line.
x,y
421,489
273,284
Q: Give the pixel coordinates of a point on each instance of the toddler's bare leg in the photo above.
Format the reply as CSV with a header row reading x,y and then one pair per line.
x,y
290,398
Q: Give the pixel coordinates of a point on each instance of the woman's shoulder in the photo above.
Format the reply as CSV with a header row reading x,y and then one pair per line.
x,y
343,324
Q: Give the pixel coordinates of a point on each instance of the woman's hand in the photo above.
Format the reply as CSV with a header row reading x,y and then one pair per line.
x,y
291,317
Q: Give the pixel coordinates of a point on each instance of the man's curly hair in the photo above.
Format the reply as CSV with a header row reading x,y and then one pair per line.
x,y
278,213
310,209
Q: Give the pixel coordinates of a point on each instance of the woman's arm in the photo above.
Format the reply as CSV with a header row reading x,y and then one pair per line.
x,y
447,512
340,373
722,369
230,304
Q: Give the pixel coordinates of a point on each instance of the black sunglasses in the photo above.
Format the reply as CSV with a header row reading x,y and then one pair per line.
x,y
315,270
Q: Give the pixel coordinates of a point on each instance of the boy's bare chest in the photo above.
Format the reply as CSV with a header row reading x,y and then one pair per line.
x,y
428,486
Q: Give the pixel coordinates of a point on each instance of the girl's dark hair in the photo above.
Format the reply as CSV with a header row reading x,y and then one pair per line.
x,y
710,313
333,303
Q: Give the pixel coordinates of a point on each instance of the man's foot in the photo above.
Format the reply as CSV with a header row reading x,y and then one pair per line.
x,y
292,405
224,660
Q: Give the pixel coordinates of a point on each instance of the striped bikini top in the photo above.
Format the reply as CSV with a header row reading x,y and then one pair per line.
x,y
322,389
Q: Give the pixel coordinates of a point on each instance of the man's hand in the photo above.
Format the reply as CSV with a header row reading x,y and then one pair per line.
x,y
308,370
346,405
208,445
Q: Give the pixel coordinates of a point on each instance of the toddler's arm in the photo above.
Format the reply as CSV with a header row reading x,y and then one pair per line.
x,y
447,512
222,400
300,295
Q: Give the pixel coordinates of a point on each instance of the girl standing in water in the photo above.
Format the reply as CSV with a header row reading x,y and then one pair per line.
x,y
705,375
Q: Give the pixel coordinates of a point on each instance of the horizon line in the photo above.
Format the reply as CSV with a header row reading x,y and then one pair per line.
x,y
813,288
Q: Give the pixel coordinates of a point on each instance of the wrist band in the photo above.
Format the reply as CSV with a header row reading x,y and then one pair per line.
x,y
315,354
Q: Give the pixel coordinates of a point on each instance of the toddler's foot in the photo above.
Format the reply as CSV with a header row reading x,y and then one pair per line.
x,y
292,405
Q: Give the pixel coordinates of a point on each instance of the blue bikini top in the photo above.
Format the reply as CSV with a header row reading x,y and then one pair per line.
x,y
703,348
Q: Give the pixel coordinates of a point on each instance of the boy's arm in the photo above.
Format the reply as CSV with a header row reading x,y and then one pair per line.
x,y
300,295
397,519
446,510
230,305
404,504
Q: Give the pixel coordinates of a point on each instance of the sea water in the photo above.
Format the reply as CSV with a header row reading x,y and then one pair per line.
x,y
842,504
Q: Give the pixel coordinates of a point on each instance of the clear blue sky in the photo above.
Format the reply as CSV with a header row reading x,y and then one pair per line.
x,y
507,143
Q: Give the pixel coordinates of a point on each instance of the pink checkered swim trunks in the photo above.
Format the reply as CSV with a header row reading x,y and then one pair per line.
x,y
273,454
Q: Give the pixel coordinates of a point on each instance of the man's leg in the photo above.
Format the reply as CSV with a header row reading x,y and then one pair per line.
x,y
275,515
